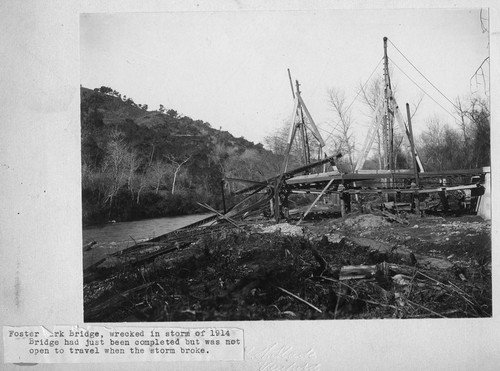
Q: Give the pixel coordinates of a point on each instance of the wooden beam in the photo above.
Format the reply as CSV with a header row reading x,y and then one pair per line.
x,y
387,190
313,127
245,181
290,173
405,174
315,201
412,145
221,216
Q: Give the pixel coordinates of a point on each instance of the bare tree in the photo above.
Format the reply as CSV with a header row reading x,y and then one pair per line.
x,y
475,130
371,96
480,77
158,171
277,143
177,163
133,162
142,182
345,137
461,109
115,166
432,142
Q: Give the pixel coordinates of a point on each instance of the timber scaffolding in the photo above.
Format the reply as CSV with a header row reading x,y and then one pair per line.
x,y
411,185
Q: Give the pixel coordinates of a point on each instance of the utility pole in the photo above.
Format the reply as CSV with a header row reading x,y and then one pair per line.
x,y
389,118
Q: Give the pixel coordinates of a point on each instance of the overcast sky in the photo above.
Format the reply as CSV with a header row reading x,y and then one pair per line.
x,y
230,68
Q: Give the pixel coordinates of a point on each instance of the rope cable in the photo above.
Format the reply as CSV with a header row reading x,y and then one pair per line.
x,y
421,74
359,91
409,78
467,114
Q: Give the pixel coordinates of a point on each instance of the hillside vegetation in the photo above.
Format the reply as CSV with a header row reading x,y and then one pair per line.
x,y
140,164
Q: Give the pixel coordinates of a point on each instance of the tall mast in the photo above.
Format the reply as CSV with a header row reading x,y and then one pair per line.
x,y
389,118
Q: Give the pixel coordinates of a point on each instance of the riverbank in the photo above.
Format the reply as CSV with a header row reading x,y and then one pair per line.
x,y
152,205
364,266
102,240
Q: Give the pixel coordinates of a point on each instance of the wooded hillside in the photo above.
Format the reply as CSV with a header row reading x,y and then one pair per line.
x,y
140,164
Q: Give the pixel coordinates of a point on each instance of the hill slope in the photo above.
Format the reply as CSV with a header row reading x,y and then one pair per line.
x,y
138,163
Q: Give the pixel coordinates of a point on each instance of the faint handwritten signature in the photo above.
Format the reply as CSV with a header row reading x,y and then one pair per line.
x,y
278,357
294,366
280,351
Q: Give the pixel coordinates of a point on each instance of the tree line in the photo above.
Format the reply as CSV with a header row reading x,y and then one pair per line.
x,y
461,143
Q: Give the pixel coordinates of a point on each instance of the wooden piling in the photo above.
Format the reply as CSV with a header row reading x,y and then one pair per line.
x,y
347,202
444,200
342,205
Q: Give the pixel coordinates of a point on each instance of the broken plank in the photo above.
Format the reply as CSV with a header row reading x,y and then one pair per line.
x,y
300,299
101,310
315,201
221,216
368,271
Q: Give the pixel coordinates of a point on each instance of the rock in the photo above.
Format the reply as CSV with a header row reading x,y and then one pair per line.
x,y
334,238
372,244
401,279
434,262
284,228
89,246
366,221
288,314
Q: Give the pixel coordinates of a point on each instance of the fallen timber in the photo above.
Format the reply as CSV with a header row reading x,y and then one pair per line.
x,y
146,251
288,174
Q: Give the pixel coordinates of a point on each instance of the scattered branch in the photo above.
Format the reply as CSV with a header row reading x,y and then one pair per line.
x,y
300,299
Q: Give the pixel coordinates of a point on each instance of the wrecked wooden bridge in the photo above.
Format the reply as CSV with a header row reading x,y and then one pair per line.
x,y
388,192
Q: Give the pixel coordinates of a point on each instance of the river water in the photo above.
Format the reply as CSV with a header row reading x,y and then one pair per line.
x,y
137,230
113,237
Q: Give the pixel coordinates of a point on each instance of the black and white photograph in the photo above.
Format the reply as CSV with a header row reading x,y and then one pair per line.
x,y
286,165
249,185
